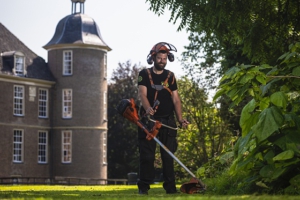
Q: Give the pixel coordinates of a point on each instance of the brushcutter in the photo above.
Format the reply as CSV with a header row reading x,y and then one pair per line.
x,y
128,109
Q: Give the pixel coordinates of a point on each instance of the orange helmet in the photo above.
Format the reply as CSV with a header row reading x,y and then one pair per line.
x,y
161,47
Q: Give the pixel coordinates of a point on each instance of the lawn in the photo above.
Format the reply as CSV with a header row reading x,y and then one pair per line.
x,y
112,192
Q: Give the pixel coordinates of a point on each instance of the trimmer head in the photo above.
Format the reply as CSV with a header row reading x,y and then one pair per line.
x,y
193,186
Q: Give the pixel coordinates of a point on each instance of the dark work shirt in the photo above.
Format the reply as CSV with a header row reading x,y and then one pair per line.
x,y
166,106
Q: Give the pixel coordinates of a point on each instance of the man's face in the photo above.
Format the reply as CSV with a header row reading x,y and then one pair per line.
x,y
160,61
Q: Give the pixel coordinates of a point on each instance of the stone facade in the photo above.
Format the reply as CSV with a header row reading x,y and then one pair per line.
x,y
37,139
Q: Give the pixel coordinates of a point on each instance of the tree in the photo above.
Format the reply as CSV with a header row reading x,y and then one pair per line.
x,y
269,149
122,134
228,33
261,30
207,135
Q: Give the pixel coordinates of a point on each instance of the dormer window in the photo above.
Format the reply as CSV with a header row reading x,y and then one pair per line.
x,y
19,65
13,62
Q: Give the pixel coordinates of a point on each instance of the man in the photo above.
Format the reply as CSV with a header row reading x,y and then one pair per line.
x,y
157,83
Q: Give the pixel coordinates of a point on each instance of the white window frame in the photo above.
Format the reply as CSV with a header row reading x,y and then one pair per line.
x,y
42,147
43,103
67,102
105,65
67,63
18,146
104,146
66,148
19,65
19,100
105,106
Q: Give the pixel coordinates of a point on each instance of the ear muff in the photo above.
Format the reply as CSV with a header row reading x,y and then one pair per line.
x,y
150,59
161,46
171,57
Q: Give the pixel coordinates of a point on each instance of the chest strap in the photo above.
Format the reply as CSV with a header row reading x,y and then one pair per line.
x,y
159,87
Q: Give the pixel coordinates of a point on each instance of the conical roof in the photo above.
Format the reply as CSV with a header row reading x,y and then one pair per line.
x,y
77,29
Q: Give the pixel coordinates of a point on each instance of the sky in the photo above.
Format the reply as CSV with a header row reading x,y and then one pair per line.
x,y
128,27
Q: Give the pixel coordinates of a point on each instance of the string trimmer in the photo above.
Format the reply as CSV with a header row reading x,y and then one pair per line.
x,y
127,109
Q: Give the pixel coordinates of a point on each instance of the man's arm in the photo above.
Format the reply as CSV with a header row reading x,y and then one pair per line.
x,y
177,105
143,97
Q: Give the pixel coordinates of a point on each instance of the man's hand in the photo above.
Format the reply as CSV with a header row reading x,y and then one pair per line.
x,y
184,123
150,111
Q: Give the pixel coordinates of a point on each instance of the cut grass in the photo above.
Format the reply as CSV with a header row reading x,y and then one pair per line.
x,y
112,192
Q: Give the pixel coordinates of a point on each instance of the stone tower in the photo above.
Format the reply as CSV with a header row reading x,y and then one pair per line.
x,y
77,57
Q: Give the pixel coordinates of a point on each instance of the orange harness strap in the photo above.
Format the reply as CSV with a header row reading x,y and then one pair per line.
x,y
164,85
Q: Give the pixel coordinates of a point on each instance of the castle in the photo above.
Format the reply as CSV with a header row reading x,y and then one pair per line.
x,y
53,116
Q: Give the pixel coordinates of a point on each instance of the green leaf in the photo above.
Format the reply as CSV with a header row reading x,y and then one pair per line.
x,y
261,184
283,56
279,99
284,155
201,171
261,79
226,158
247,119
231,72
219,93
264,103
270,171
265,66
296,71
267,171
292,65
246,78
288,138
295,181
270,120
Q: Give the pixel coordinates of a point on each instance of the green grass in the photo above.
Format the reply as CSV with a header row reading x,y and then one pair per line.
x,y
112,192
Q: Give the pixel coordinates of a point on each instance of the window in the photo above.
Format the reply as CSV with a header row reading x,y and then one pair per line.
x,y
13,62
105,106
19,65
18,146
42,147
104,98
67,103
19,100
105,148
43,103
67,63
105,65
66,146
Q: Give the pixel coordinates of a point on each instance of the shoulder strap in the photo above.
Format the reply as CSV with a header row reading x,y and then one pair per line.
x,y
164,84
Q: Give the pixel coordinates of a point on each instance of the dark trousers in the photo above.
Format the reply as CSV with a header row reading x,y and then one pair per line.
x,y
147,157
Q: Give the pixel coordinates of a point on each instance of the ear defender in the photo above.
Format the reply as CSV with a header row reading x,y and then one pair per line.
x,y
161,46
171,57
150,59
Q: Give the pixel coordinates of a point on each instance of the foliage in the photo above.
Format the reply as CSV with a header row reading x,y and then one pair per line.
x,y
122,134
226,184
207,135
228,33
258,29
269,149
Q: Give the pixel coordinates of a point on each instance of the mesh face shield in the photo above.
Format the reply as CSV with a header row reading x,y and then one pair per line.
x,y
161,46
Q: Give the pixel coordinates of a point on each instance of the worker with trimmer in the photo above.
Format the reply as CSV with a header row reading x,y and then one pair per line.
x,y
160,101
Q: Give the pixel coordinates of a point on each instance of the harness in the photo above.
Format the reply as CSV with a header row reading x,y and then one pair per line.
x,y
160,87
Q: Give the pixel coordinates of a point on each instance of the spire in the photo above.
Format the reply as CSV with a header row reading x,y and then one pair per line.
x,y
74,6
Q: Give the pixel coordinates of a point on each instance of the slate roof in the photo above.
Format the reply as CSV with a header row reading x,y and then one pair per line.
x,y
35,65
77,28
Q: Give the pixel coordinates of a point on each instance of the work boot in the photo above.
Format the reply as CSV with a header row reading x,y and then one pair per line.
x,y
143,192
172,192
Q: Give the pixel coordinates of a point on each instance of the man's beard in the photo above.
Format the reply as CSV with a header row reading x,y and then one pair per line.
x,y
159,66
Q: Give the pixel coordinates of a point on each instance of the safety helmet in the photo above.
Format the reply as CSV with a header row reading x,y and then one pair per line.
x,y
161,46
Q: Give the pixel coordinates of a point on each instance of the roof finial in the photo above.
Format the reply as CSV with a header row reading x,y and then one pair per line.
x,y
74,9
